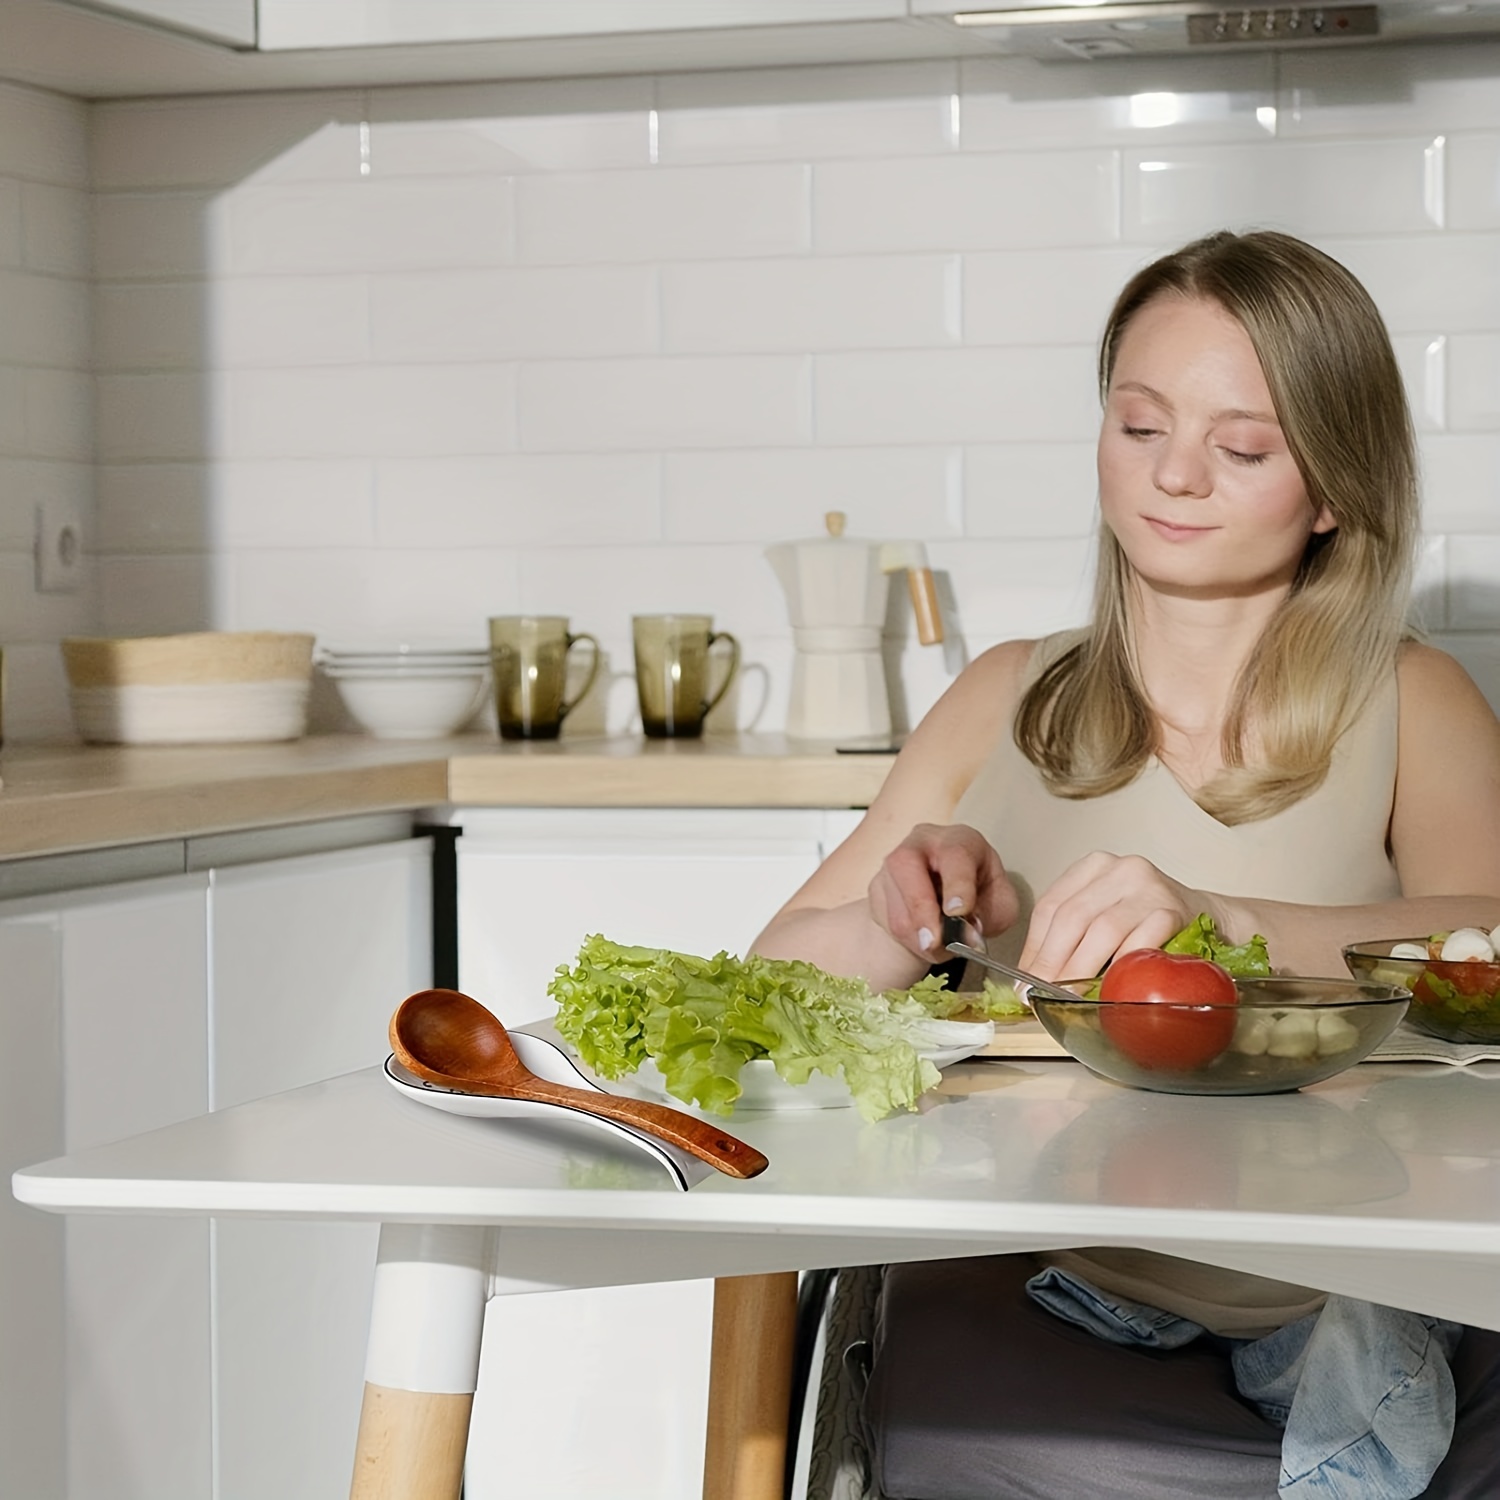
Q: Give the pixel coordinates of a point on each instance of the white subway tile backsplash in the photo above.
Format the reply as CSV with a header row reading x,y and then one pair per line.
x,y
221,141
26,614
55,224
1474,582
763,495
154,508
359,412
1388,90
1461,482
519,500
13,411
1321,188
46,322
390,361
153,235
602,587
662,214
956,396
1030,490
354,595
967,202
369,225
26,483
1429,588
294,503
288,320
865,302
59,413
515,313
1017,587
1022,104
158,595
556,126
43,136
686,402
897,109
1474,181
1474,382
1044,296
11,230
152,325
1431,283
155,416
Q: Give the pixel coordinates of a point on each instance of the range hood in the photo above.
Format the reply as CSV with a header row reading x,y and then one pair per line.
x,y
1091,29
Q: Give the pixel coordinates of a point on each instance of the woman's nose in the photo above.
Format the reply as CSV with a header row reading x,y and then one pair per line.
x,y
1182,469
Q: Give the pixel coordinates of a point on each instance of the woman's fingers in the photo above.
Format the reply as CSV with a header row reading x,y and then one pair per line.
x,y
937,871
1103,905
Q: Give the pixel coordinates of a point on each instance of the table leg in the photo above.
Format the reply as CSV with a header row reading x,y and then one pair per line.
x,y
422,1362
749,1386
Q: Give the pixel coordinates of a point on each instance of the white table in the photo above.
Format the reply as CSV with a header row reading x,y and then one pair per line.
x,y
1383,1183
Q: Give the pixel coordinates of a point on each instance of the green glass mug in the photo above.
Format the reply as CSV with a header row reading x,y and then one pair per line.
x,y
529,656
672,669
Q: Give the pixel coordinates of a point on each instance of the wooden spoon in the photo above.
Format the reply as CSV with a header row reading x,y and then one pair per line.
x,y
451,1039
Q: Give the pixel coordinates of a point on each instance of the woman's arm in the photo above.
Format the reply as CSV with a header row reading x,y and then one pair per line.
x,y
1444,835
866,908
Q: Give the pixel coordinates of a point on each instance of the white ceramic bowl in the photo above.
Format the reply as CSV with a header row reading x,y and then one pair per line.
x,y
403,705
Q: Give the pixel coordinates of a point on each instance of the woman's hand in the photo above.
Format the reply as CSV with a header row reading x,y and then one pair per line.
x,y
939,870
1102,905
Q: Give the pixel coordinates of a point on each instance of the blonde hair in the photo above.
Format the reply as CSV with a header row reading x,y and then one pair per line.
x,y
1085,722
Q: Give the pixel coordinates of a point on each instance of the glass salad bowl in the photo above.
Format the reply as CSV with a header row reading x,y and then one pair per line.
x,y
1281,1034
1455,999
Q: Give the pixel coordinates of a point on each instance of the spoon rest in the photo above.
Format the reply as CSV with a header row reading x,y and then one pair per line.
x,y
550,1062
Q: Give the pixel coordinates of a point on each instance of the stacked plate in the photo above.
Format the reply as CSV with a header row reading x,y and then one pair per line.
x,y
405,691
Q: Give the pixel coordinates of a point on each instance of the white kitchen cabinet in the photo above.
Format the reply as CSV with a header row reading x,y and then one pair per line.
x,y
377,23
32,1438
229,21
105,998
169,1359
310,957
552,1419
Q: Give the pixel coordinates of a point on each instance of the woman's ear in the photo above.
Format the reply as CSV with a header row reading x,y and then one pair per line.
x,y
1324,521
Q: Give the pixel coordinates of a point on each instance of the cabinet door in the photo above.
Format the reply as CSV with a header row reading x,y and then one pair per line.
x,y
310,957
552,1419
533,884
31,1242
135,1048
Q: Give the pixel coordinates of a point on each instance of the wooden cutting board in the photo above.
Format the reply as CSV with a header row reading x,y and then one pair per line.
x,y
1025,1038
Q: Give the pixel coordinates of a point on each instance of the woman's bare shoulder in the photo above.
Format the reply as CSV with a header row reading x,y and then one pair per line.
x,y
1431,682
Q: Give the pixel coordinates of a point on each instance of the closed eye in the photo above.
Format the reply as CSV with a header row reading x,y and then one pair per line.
x,y
1247,458
1138,432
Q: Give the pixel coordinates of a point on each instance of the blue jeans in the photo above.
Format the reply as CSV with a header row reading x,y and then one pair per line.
x,y
1363,1393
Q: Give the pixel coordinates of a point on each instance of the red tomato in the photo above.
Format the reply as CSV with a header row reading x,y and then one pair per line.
x,y
1161,1031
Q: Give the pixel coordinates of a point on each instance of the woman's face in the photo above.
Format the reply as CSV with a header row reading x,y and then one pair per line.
x,y
1195,477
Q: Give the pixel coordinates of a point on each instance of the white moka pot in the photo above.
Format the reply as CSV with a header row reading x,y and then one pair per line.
x,y
836,589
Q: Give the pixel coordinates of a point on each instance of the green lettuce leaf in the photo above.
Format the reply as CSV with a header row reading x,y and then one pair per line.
x,y
701,1020
1200,939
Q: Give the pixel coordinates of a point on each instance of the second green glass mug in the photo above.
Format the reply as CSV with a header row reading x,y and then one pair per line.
x,y
672,672
529,654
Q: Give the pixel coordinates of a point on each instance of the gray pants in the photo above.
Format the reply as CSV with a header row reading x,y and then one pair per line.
x,y
977,1393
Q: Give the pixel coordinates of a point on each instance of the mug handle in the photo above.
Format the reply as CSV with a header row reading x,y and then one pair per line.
x,y
734,662
569,704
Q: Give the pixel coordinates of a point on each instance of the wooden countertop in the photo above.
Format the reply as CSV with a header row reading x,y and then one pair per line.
x,y
60,798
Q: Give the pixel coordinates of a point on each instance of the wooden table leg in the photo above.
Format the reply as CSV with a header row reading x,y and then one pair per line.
x,y
422,1362
749,1386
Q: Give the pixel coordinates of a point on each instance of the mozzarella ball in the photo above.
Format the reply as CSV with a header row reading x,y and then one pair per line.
x,y
1466,943
1409,950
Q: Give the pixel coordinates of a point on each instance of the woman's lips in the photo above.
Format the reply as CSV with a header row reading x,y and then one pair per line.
x,y
1174,531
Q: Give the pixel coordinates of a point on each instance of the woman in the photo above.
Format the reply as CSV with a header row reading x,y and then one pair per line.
x,y
1247,730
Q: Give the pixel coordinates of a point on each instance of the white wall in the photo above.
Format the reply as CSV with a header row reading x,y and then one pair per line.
x,y
46,398
384,363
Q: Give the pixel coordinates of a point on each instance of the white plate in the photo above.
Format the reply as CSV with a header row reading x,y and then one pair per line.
x,y
763,1088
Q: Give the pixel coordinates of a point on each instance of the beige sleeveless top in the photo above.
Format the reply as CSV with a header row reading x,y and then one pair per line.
x,y
1328,849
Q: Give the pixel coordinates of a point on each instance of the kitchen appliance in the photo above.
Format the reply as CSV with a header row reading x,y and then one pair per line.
x,y
837,589
1089,29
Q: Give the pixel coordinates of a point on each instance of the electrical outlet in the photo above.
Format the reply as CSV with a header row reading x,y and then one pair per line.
x,y
59,546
